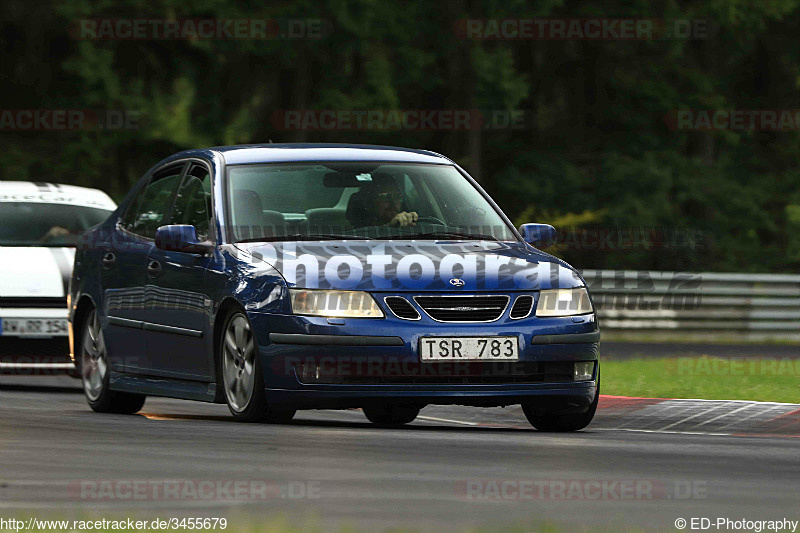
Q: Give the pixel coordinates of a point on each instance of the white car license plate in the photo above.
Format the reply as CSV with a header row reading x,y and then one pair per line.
x,y
469,349
33,327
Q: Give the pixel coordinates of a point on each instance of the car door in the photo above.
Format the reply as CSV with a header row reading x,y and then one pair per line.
x,y
180,305
125,269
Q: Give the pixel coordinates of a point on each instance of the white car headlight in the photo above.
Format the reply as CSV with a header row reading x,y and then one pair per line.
x,y
340,304
563,302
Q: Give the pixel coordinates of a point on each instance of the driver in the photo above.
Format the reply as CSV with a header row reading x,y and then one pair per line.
x,y
55,233
380,203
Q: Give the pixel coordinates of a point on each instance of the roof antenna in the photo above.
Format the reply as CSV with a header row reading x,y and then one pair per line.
x,y
270,141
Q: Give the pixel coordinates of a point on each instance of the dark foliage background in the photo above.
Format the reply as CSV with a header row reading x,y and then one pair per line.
x,y
596,150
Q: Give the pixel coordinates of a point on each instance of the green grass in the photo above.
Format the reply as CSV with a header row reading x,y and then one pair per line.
x,y
775,379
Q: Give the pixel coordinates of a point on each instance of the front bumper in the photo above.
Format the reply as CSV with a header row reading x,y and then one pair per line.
x,y
366,360
35,355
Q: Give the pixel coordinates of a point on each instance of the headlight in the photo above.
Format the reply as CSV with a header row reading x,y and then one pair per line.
x,y
342,304
563,302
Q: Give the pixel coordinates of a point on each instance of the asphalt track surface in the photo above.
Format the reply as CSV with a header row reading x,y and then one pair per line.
x,y
443,472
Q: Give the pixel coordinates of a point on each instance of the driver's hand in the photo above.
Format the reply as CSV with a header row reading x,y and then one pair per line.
x,y
55,232
404,219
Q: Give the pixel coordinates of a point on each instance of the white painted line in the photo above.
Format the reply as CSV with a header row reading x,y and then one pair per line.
x,y
434,419
728,401
661,431
651,412
692,417
757,413
723,415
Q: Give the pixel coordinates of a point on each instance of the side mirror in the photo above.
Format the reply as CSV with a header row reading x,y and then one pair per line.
x,y
181,238
540,235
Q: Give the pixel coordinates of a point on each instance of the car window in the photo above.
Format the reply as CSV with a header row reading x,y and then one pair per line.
x,y
372,199
148,210
193,201
288,189
46,224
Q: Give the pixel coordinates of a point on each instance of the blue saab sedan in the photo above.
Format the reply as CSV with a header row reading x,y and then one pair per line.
x,y
281,277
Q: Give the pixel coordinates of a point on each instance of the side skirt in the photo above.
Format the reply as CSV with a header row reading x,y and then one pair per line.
x,y
167,387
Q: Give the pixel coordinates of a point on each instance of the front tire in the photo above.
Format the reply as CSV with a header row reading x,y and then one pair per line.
x,y
94,371
390,415
559,423
242,376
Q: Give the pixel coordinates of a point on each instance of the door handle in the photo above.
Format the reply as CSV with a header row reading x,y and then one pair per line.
x,y
109,260
153,268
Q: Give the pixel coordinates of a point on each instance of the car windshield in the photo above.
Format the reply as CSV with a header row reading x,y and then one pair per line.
x,y
358,200
46,224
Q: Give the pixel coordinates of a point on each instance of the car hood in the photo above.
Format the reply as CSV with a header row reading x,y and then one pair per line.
x,y
35,271
413,265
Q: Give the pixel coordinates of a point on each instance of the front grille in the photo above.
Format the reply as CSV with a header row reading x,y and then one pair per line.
x,y
401,307
463,308
522,306
37,302
474,373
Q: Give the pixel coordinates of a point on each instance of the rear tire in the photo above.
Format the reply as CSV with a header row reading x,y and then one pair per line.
x,y
390,414
558,423
94,373
241,376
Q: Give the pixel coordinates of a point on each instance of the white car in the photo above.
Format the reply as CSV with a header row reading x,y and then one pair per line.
x,y
39,228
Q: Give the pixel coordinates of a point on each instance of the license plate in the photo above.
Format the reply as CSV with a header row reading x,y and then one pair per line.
x,y
469,349
33,327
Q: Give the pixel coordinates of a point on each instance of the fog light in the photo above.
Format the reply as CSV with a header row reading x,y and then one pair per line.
x,y
584,371
308,372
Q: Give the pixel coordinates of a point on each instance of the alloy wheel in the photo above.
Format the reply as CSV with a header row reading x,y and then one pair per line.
x,y
238,363
94,361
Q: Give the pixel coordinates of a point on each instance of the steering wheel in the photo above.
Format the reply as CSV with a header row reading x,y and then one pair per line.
x,y
431,220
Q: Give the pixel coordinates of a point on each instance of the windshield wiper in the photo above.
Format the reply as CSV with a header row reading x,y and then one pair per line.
x,y
447,235
307,237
